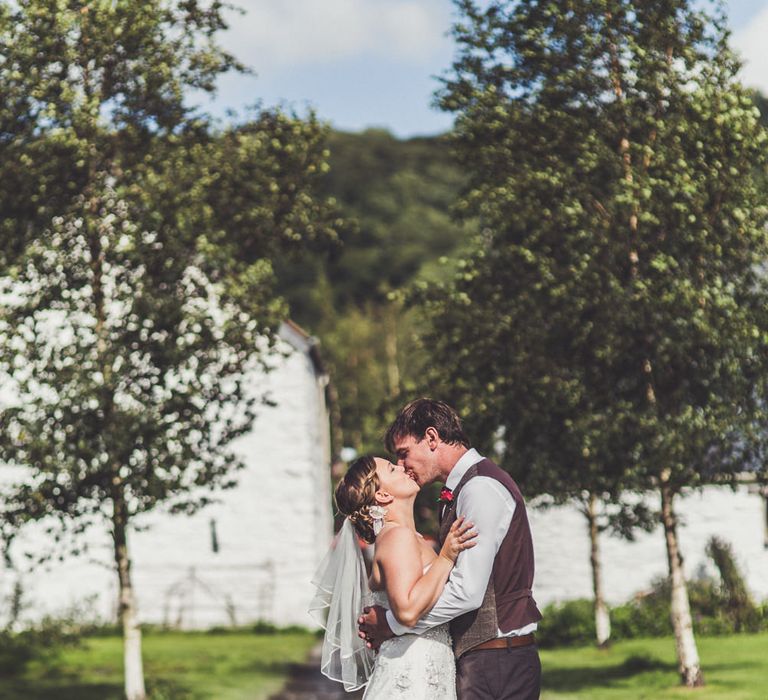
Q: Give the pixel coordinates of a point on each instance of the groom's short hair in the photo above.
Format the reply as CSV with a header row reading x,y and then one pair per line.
x,y
414,419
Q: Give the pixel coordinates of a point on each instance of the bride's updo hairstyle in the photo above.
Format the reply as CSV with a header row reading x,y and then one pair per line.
x,y
356,493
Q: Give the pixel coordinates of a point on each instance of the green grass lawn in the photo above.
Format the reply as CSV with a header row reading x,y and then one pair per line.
x,y
245,666
735,668
177,666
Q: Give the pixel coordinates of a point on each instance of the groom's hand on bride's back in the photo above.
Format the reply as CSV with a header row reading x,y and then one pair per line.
x,y
373,628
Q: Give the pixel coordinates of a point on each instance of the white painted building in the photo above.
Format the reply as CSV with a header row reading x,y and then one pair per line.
x,y
562,547
249,556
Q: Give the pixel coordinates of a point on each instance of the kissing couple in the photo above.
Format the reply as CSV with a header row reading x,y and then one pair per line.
x,y
455,624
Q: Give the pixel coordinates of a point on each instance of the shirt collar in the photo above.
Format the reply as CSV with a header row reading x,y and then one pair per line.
x,y
470,457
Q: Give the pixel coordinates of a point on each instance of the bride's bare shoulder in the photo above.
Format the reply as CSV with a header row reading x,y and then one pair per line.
x,y
396,536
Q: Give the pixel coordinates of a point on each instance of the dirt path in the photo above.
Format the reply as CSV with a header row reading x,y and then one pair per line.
x,y
305,682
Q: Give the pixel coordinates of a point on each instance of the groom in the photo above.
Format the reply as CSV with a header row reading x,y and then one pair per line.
x,y
488,597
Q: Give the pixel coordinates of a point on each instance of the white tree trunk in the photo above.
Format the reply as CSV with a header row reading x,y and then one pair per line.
x,y
602,618
687,652
132,662
134,669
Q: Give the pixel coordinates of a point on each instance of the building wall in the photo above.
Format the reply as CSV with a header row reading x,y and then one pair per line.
x,y
271,531
562,547
275,527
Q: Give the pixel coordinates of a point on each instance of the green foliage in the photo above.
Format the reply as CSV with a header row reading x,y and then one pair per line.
x,y
567,624
137,248
268,628
398,194
401,194
83,83
648,615
17,650
44,641
761,102
611,326
140,286
610,331
735,603
113,402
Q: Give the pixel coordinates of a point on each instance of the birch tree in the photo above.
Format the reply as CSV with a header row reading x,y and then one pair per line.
x,y
136,275
612,321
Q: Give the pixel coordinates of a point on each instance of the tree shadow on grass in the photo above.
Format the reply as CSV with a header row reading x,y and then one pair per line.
x,y
579,678
66,689
31,690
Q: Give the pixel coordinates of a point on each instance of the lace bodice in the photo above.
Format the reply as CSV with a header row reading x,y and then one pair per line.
x,y
413,665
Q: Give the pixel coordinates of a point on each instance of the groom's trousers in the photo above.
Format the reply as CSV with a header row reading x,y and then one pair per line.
x,y
499,674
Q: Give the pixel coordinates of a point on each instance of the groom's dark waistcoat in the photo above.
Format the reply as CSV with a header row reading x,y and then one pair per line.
x,y
508,603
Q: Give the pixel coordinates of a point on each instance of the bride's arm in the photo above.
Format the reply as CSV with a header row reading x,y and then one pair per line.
x,y
411,592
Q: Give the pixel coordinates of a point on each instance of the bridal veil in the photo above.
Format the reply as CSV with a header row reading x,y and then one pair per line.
x,y
342,592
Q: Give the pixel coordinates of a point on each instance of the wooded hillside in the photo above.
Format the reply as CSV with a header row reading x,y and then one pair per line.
x,y
396,196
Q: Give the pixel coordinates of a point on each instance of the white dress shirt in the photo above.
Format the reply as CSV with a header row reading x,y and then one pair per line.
x,y
489,506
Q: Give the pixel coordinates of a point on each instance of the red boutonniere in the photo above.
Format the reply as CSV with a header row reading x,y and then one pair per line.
x,y
446,495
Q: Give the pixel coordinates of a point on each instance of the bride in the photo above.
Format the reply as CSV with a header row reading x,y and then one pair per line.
x,y
406,576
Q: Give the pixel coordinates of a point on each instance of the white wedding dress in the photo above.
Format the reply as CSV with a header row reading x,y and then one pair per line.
x,y
408,667
413,666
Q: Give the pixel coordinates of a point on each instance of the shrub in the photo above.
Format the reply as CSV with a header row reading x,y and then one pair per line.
x,y
649,615
44,641
16,651
717,607
268,628
735,603
567,624
646,615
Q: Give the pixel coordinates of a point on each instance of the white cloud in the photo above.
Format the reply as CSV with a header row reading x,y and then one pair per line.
x,y
286,33
751,44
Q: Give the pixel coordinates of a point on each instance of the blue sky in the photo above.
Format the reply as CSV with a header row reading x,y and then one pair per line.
x,y
373,63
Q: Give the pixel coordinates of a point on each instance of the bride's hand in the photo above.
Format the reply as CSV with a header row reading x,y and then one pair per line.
x,y
461,536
